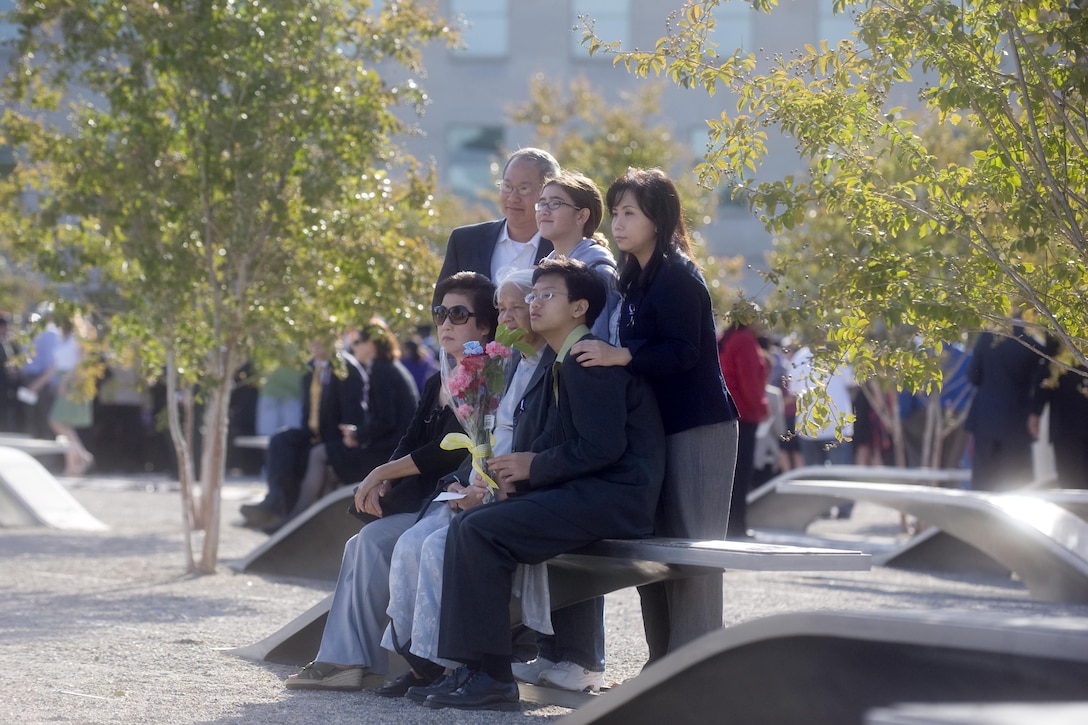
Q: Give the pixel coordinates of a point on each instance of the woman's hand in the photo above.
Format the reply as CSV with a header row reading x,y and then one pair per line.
x,y
369,494
349,434
510,468
597,353
474,493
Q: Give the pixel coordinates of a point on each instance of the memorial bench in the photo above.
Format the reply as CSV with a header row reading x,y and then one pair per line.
x,y
769,509
603,567
1045,545
252,442
833,667
31,496
36,447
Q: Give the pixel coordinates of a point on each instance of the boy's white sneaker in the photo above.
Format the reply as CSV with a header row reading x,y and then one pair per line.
x,y
530,671
569,676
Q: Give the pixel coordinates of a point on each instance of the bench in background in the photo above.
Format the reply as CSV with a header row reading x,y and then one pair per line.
x,y
1045,545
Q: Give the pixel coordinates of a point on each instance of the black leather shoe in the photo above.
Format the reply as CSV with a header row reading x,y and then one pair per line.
x,y
399,686
480,692
258,515
449,683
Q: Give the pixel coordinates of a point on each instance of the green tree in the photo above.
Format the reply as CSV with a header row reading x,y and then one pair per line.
x,y
1005,228
225,171
602,140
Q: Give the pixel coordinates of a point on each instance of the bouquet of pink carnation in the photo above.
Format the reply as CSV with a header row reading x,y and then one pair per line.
x,y
474,388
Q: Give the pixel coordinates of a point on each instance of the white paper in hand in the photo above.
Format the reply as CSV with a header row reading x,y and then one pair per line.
x,y
449,496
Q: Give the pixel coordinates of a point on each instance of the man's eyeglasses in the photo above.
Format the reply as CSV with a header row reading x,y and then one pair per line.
x,y
521,189
553,204
458,314
543,296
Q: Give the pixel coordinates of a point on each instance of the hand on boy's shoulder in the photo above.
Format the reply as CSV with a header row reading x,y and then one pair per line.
x,y
598,353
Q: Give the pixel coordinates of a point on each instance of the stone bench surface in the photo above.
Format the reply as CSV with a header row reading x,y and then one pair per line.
x,y
257,442
833,667
603,567
1045,545
33,446
769,508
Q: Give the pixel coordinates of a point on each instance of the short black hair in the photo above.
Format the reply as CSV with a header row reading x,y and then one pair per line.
x,y
477,288
582,283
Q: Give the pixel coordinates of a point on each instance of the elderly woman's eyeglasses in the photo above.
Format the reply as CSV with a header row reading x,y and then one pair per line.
x,y
553,204
458,314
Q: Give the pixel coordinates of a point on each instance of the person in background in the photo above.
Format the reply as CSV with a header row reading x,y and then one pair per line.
x,y
667,335
36,414
71,407
745,371
9,377
388,398
767,461
1003,371
1065,390
420,362
329,401
279,401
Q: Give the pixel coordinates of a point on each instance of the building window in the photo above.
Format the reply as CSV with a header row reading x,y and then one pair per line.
x,y
472,149
484,27
733,28
611,18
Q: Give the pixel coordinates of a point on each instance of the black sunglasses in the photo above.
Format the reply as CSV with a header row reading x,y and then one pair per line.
x,y
458,314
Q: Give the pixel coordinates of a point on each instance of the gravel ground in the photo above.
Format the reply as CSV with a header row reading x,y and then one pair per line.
x,y
105,627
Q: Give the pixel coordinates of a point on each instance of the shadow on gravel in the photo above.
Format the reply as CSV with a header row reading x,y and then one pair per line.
x,y
48,542
31,615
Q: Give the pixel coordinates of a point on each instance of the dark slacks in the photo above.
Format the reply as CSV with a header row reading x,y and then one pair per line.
x,y
1001,464
288,453
742,479
483,548
579,635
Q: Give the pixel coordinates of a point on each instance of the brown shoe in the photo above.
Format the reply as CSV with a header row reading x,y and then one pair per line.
x,y
325,676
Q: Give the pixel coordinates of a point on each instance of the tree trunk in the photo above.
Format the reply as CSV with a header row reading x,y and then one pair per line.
x,y
182,450
212,465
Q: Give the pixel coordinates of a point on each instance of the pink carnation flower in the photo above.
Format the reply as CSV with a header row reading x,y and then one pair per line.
x,y
459,382
497,349
473,363
465,411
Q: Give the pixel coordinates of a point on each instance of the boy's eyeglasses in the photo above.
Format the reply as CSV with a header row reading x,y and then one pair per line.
x,y
543,296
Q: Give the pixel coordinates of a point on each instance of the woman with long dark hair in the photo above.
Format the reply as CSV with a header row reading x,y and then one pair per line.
x,y
666,331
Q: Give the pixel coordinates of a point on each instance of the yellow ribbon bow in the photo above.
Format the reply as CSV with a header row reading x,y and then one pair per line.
x,y
479,452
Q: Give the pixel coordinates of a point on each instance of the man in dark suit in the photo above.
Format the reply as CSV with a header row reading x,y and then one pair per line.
x,y
328,402
596,473
497,247
1003,370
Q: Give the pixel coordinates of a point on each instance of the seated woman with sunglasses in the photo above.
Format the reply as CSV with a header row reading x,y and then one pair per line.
x,y
351,654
